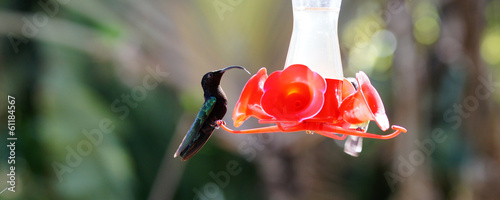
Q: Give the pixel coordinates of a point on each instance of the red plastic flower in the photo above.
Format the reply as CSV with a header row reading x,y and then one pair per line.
x,y
330,112
249,102
294,94
299,99
347,89
364,105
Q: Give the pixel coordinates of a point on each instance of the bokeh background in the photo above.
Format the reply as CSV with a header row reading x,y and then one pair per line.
x,y
73,64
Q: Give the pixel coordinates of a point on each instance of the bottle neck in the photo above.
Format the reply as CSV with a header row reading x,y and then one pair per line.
x,y
302,4
314,39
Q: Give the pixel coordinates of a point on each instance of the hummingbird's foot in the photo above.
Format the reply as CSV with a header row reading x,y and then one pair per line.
x,y
216,126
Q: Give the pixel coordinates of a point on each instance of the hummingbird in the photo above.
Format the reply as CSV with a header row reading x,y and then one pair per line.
x,y
214,108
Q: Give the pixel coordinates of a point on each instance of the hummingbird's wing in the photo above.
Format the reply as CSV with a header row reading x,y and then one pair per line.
x,y
194,132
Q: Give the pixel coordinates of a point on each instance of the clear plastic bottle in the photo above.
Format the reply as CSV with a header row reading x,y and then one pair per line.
x,y
315,43
314,38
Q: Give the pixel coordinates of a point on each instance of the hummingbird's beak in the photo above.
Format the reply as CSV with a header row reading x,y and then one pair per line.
x,y
232,67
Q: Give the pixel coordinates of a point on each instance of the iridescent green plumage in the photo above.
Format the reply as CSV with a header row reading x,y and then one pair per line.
x,y
213,109
192,136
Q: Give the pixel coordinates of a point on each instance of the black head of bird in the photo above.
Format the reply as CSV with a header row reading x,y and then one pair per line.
x,y
211,80
214,108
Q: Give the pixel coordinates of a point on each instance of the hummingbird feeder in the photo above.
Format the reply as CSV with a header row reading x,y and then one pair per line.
x,y
310,93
